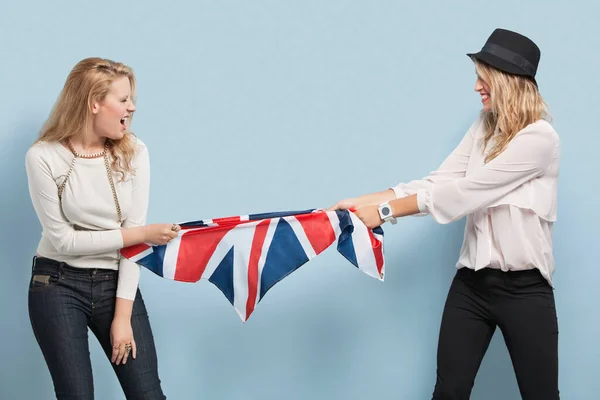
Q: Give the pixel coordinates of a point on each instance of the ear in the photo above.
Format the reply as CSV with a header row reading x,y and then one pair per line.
x,y
95,107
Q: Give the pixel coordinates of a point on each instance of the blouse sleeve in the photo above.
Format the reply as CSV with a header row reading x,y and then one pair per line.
x,y
129,272
453,167
526,157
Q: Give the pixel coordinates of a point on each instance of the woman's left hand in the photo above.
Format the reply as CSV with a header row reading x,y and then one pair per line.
x,y
369,215
121,338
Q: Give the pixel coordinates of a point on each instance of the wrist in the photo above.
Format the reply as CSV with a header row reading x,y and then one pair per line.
x,y
123,310
133,235
121,318
386,212
143,233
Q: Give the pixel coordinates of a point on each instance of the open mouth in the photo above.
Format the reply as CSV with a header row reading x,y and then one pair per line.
x,y
485,97
124,123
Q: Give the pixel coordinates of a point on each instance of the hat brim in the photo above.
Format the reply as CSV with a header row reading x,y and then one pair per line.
x,y
500,64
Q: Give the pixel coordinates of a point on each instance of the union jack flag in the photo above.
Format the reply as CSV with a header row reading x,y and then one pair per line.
x,y
244,256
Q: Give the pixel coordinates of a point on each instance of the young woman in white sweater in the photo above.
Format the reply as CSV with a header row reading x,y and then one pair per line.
x,y
89,179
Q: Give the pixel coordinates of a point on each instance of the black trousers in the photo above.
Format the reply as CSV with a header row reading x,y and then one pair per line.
x,y
522,305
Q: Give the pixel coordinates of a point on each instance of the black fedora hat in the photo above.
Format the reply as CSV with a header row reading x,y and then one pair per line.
x,y
510,52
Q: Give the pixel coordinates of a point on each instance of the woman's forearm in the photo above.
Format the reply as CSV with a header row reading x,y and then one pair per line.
x,y
376,198
133,236
405,206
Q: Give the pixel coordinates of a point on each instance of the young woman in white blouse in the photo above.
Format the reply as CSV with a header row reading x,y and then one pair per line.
x,y
89,182
502,177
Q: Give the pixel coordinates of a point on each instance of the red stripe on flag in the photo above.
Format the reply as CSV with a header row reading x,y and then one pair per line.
x,y
131,251
318,229
377,246
227,220
257,244
195,250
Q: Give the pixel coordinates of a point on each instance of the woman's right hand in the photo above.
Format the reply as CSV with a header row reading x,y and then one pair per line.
x,y
344,204
160,234
355,203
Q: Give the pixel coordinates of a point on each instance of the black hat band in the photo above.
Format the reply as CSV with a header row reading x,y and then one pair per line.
x,y
510,56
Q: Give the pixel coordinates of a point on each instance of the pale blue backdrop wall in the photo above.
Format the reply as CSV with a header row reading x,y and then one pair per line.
x,y
279,105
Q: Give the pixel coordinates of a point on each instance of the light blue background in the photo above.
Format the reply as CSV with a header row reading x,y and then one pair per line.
x,y
281,105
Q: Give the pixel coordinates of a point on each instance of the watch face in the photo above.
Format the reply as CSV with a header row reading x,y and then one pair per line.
x,y
385,211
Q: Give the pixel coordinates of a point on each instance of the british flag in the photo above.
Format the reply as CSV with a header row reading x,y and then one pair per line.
x,y
244,256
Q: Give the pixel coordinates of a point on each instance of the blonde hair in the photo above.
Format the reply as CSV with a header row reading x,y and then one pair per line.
x,y
515,103
89,81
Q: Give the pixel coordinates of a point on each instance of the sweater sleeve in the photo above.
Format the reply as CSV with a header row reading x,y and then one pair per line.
x,y
453,167
526,157
60,232
129,272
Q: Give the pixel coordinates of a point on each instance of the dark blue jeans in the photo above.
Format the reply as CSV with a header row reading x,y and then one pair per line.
x,y
63,303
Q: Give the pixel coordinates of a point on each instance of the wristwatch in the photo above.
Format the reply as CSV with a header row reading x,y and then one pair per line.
x,y
385,212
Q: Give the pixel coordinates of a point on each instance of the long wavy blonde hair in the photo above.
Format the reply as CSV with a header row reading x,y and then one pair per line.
x,y
515,103
89,81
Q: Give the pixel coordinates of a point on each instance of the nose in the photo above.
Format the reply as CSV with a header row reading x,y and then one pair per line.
x,y
131,107
478,85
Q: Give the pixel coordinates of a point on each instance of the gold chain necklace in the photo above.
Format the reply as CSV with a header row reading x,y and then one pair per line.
x,y
95,155
104,154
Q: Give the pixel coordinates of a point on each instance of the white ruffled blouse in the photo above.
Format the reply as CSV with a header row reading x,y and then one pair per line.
x,y
510,202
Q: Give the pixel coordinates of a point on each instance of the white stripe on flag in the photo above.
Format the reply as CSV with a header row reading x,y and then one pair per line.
x,y
264,252
171,255
240,238
143,254
335,222
230,239
362,248
301,235
243,235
